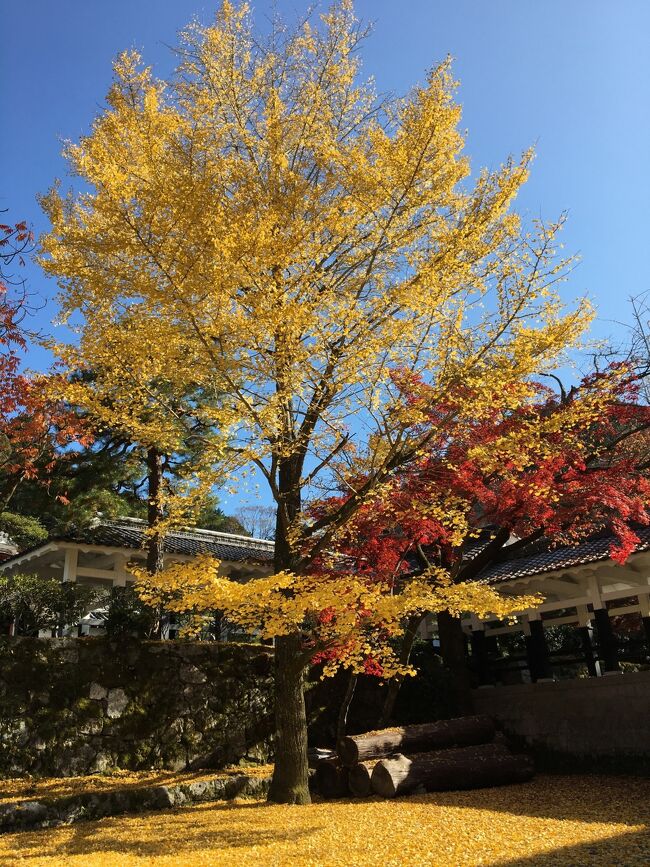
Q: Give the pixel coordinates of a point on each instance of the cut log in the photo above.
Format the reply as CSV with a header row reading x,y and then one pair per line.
x,y
359,778
332,778
400,774
459,768
411,739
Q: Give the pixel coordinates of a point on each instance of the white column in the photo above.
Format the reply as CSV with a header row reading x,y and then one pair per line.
x,y
584,615
119,568
594,592
70,564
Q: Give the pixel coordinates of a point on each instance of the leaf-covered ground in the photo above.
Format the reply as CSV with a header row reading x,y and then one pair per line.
x,y
550,822
27,788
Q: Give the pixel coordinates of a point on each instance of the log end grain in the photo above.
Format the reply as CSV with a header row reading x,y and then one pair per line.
x,y
331,778
359,779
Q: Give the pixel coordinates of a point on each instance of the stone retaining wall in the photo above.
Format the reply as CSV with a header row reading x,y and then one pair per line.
x,y
49,813
78,706
606,719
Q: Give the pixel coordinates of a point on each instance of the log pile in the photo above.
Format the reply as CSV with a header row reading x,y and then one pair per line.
x,y
450,754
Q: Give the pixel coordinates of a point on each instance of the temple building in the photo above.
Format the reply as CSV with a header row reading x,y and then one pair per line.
x,y
603,608
100,555
606,607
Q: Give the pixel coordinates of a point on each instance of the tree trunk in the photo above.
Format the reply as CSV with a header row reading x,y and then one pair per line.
x,y
395,683
464,768
444,733
290,783
155,541
454,657
359,778
342,720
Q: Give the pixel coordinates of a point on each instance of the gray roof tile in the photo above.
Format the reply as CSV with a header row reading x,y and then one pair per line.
x,y
130,533
551,559
225,546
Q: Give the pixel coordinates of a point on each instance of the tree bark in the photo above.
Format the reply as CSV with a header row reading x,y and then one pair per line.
x,y
155,542
463,768
155,514
395,683
290,782
342,720
444,733
454,657
607,644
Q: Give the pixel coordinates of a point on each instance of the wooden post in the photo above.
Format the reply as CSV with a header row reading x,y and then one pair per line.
x,y
587,648
646,629
480,657
453,651
607,644
644,603
537,652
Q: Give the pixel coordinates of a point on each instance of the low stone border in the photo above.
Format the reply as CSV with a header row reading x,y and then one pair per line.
x,y
24,815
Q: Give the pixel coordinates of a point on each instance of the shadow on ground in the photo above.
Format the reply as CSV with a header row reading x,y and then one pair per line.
x,y
621,803
115,836
561,798
625,850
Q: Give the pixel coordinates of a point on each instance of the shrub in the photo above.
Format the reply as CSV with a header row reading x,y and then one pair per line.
x,y
32,602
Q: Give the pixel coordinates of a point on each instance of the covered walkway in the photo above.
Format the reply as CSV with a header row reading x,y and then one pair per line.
x,y
604,609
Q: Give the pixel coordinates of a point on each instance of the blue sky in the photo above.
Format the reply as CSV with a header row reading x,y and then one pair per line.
x,y
571,77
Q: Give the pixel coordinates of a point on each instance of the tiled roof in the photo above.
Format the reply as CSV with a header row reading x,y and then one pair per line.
x,y
130,533
226,546
535,560
551,559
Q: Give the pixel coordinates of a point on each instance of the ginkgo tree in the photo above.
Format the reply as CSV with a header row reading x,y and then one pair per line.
x,y
280,240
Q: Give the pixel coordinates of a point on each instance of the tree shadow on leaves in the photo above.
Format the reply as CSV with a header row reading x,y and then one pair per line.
x,y
607,800
561,798
623,850
123,835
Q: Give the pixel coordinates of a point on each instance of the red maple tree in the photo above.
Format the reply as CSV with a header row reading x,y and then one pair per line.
x,y
581,474
34,426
